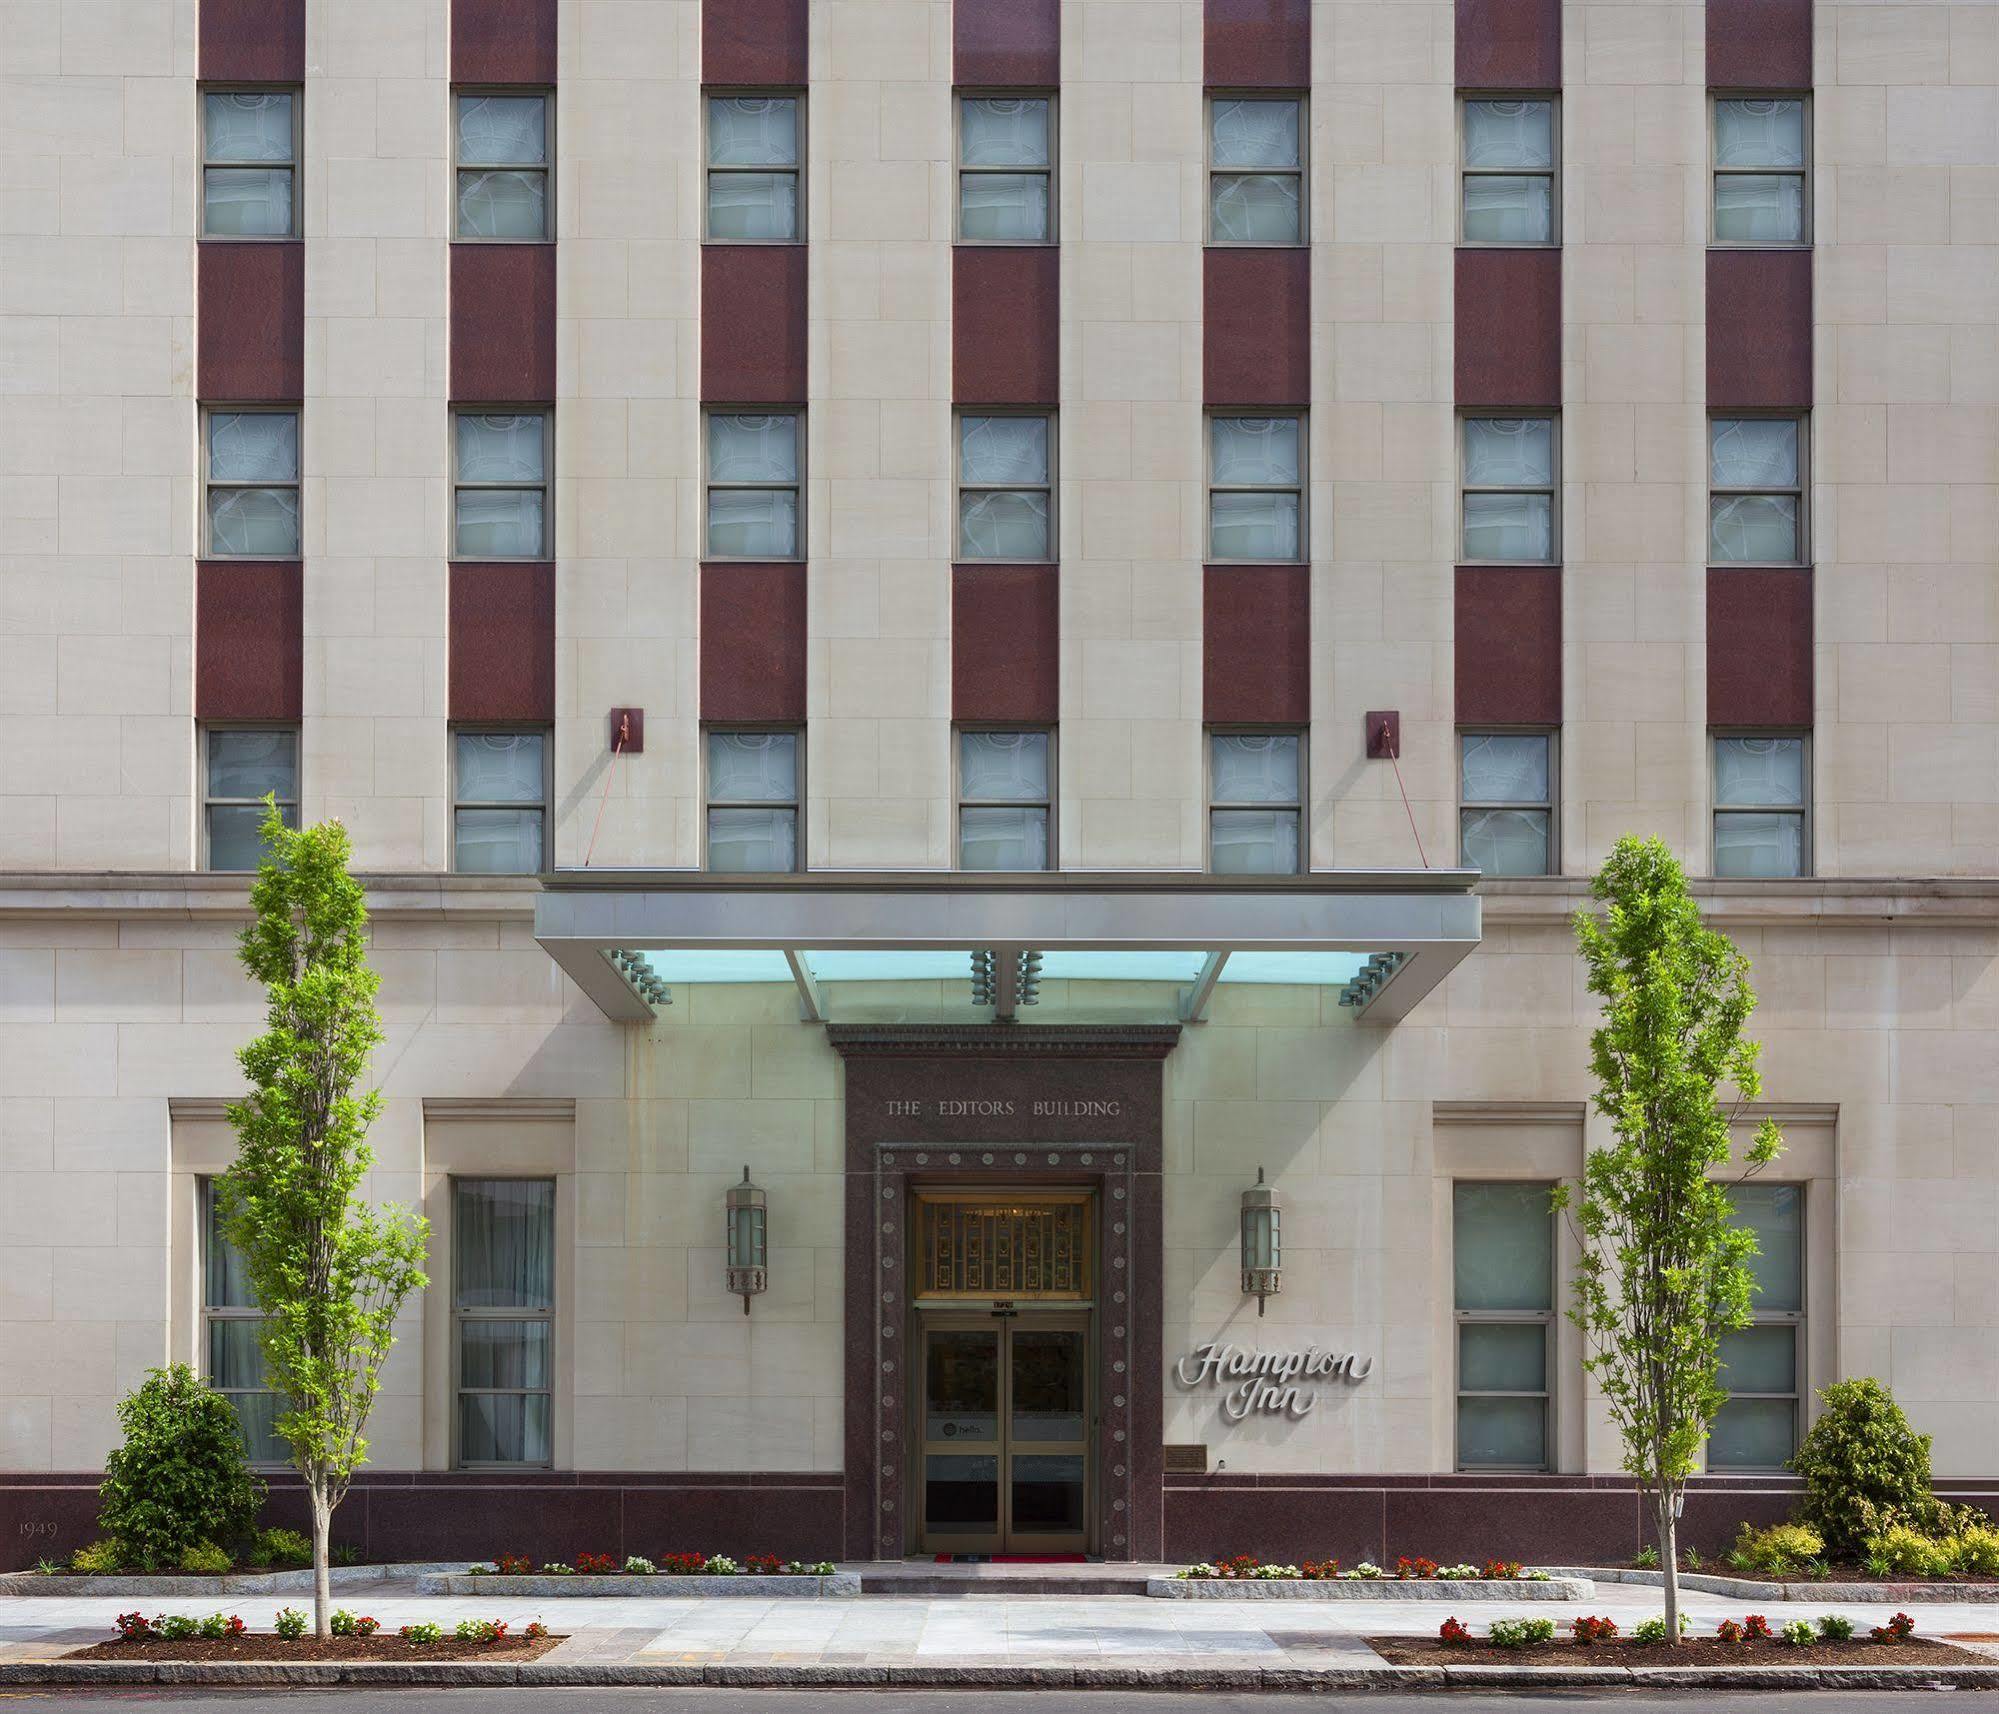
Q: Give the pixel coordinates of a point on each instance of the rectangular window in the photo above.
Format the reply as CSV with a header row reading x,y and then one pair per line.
x,y
1758,1428
249,162
499,802
1762,163
753,802
1006,487
1761,831
1511,480
1503,1274
230,1322
250,472
1756,492
1256,169
1510,166
1255,797
753,170
1256,488
241,766
754,486
503,1305
1506,805
499,496
1005,793
503,138
1006,169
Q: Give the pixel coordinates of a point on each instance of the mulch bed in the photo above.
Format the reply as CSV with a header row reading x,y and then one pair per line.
x,y
263,1647
1840,1571
1695,1651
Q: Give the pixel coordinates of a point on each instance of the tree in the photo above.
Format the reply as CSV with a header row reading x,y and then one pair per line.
x,y
180,1479
1663,1273
329,1271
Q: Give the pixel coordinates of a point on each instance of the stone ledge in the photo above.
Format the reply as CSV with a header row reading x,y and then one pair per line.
x,y
840,1586
1557,1588
1751,1589
66,1584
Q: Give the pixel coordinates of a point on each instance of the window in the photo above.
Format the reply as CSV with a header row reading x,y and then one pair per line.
x,y
1761,157
1503,1274
1254,794
1006,177
1005,786
241,766
753,169
500,486
1256,170
753,486
1509,171
1506,806
1760,806
503,1304
1758,1428
753,802
230,1322
1005,488
251,476
249,163
1510,484
503,181
1756,495
1256,490
499,803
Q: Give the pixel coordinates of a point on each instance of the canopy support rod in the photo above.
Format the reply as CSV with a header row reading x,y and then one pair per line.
x,y
1006,984
810,1011
1194,1000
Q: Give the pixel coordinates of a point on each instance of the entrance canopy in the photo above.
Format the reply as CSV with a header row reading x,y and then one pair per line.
x,y
950,947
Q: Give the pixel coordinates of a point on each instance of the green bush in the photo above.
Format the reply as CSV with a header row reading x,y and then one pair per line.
x,y
280,1547
1520,1633
1978,1550
99,1557
180,1478
1782,1550
1909,1553
290,1624
205,1556
1866,1471
179,1627
1654,1630
1835,1627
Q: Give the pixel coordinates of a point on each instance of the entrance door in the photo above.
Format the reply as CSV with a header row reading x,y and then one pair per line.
x,y
1006,1434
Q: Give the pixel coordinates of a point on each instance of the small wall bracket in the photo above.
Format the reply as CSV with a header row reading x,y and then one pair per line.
x,y
1384,734
630,725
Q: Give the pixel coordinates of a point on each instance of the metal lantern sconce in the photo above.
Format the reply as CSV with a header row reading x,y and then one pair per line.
x,y
747,1246
1262,1246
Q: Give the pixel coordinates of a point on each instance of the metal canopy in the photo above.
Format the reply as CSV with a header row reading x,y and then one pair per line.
x,y
988,945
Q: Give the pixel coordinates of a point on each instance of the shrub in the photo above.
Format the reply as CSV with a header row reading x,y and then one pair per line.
x,y
1835,1627
481,1630
635,1566
595,1564
99,1556
425,1632
1647,1557
1865,1469
1782,1550
1799,1633
134,1627
280,1547
1978,1551
289,1624
1453,1634
206,1557
1654,1630
1756,1628
1588,1629
513,1565
180,1477
1908,1552
1899,1629
1691,1560
1520,1633
178,1627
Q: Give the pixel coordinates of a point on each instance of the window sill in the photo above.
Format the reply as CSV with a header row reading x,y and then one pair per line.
x,y
753,243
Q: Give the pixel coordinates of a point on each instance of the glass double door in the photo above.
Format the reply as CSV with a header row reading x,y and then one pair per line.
x,y
1007,1415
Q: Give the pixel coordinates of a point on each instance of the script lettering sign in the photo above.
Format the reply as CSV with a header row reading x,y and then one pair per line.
x,y
1267,1381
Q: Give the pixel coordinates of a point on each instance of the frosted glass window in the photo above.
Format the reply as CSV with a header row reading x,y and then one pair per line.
x,y
499,803
1256,494
1758,1427
234,1355
753,169
503,1310
243,765
1004,800
249,163
1755,490
1256,178
1505,805
1761,162
1509,467
1006,163
752,801
1503,1263
252,505
1503,1247
1776,1214
503,160
1760,806
754,486
500,485
1255,794
1509,172
1005,488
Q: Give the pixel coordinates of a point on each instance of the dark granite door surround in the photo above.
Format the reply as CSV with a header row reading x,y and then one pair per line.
x,y
993,1103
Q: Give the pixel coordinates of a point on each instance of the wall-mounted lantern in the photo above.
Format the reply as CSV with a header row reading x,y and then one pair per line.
x,y
1262,1247
746,1250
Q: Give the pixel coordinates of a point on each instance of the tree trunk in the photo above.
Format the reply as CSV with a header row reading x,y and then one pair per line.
x,y
322,1581
1669,1563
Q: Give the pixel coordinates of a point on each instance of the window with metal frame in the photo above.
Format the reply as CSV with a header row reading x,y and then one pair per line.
x,y
753,798
250,476
1756,491
503,1314
1256,488
241,766
1503,1298
1006,486
1255,803
754,169
499,802
1006,169
1510,170
1762,1363
249,162
503,139
1506,802
500,486
232,1357
1762,170
1762,805
1006,794
755,486
1256,169
1511,472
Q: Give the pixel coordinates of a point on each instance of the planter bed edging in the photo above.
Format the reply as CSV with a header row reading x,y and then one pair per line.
x,y
1804,1589
841,1585
69,1583
1557,1588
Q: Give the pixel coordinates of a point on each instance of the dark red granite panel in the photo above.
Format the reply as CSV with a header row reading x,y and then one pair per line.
x,y
1257,339
1508,340
1759,330
502,640
249,639
1508,624
753,642
502,324
1256,645
1509,44
1759,646
753,324
1005,643
1759,44
250,307
1259,44
1006,325
251,41
751,42
1006,44
501,41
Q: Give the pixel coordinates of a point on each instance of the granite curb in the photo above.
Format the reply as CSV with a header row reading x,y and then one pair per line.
x,y
1563,1588
63,1585
1752,1589
840,1586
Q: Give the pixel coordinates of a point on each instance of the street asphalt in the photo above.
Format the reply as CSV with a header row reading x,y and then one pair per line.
x,y
713,1701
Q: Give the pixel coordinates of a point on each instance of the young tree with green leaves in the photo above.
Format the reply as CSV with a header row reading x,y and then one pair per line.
x,y
1664,1269
329,1271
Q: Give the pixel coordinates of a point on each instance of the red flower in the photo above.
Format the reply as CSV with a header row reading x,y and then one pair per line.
x,y
237,1627
1453,1634
1418,1568
1502,1568
1897,1630
135,1627
1755,1628
682,1564
1729,1631
1319,1570
1594,1630
534,1631
595,1564
1240,1566
762,1564
513,1565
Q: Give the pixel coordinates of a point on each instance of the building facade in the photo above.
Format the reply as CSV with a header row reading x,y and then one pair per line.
x,y
1009,620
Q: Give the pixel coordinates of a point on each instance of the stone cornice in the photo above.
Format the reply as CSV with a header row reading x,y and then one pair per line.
x,y
1003,1041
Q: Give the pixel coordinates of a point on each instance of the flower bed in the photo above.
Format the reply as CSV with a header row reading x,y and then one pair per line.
x,y
1749,1641
227,1637
1247,1568
1247,1578
668,1565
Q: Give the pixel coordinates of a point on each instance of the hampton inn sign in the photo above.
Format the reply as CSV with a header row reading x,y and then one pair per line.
x,y
1265,1382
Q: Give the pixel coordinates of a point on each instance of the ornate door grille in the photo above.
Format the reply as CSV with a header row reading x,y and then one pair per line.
x,y
981,1245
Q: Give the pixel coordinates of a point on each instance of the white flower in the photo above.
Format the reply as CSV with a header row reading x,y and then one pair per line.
x,y
638,1567
721,1565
